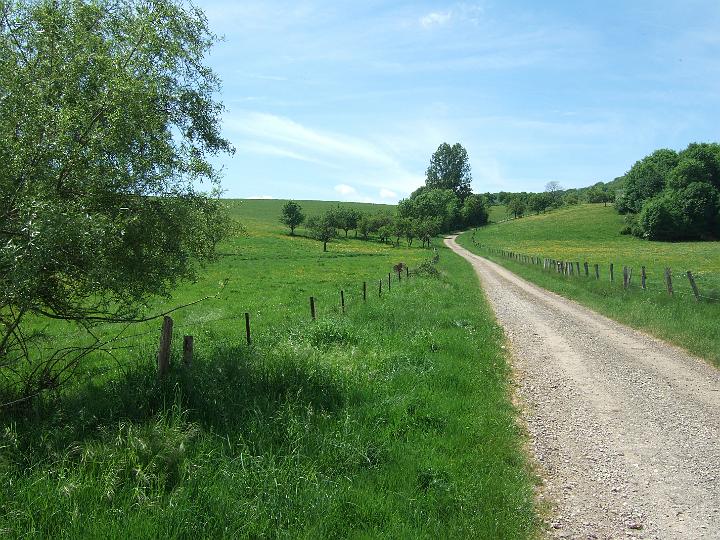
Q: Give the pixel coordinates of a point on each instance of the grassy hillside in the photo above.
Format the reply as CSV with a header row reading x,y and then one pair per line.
x,y
391,421
591,233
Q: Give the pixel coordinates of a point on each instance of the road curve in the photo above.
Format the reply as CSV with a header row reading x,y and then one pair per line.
x,y
624,427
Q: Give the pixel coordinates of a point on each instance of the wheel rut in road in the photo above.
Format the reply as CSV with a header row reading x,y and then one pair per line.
x,y
623,427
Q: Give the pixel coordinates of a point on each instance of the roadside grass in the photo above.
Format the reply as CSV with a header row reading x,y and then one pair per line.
x,y
392,421
591,233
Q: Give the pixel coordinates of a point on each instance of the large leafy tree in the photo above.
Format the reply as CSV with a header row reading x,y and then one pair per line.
x,y
450,169
107,125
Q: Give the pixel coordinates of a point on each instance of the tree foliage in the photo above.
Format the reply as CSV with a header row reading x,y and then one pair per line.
x,y
292,215
107,123
675,195
450,169
323,227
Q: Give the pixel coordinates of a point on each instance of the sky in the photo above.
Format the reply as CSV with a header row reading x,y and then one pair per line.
x,y
348,100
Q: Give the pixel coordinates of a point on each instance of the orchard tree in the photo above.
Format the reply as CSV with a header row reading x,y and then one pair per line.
x,y
107,129
324,227
450,169
292,215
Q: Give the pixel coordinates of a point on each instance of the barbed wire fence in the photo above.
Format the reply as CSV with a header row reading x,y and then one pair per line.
x,y
700,286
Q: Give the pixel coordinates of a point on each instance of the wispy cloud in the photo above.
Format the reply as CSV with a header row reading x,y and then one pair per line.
x,y
344,189
435,18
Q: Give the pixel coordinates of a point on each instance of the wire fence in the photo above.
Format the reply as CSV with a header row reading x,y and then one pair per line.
x,y
112,338
701,286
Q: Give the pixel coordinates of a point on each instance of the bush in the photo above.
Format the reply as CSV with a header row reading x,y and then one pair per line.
x,y
659,219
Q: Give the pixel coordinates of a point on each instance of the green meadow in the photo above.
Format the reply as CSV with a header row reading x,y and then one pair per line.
x,y
391,421
591,233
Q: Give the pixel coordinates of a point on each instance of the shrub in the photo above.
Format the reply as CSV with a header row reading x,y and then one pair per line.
x,y
659,219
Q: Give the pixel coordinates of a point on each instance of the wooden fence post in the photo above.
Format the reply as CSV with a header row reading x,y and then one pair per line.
x,y
380,289
612,272
407,271
312,307
577,265
625,277
597,271
389,277
247,328
693,285
342,301
587,269
187,350
364,291
571,271
164,350
668,281
643,277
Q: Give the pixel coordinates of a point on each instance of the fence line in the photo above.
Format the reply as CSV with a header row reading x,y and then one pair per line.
x,y
164,349
572,269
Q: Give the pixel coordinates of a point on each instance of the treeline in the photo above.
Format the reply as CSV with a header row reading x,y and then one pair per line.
x,y
410,224
554,196
443,204
672,195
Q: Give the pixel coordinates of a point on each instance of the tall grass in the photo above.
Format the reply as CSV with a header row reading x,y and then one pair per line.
x,y
392,421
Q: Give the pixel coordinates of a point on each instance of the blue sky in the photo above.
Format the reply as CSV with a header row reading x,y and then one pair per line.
x,y
348,100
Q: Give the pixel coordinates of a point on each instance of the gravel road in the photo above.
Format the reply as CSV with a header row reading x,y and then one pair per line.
x,y
623,427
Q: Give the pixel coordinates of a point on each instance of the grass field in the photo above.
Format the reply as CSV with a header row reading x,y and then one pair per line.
x,y
392,421
591,233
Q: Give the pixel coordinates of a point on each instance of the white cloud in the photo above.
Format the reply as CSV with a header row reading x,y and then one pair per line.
x,y
435,18
387,194
344,189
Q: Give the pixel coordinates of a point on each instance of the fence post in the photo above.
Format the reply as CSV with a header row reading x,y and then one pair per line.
x,y
577,265
380,289
693,285
164,350
187,350
643,277
342,301
668,281
570,269
389,278
587,269
312,307
612,272
625,277
407,271
364,291
247,328
597,271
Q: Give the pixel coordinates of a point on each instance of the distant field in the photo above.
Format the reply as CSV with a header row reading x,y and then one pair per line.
x,y
497,213
590,233
393,420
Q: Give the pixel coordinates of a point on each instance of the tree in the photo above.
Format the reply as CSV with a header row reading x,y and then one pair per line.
x,y
516,206
347,219
450,169
646,179
107,125
474,213
292,215
538,202
554,191
323,227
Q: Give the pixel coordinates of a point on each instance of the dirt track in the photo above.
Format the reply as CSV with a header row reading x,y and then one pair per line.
x,y
624,427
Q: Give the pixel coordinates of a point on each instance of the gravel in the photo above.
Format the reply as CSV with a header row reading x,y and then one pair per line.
x,y
623,427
